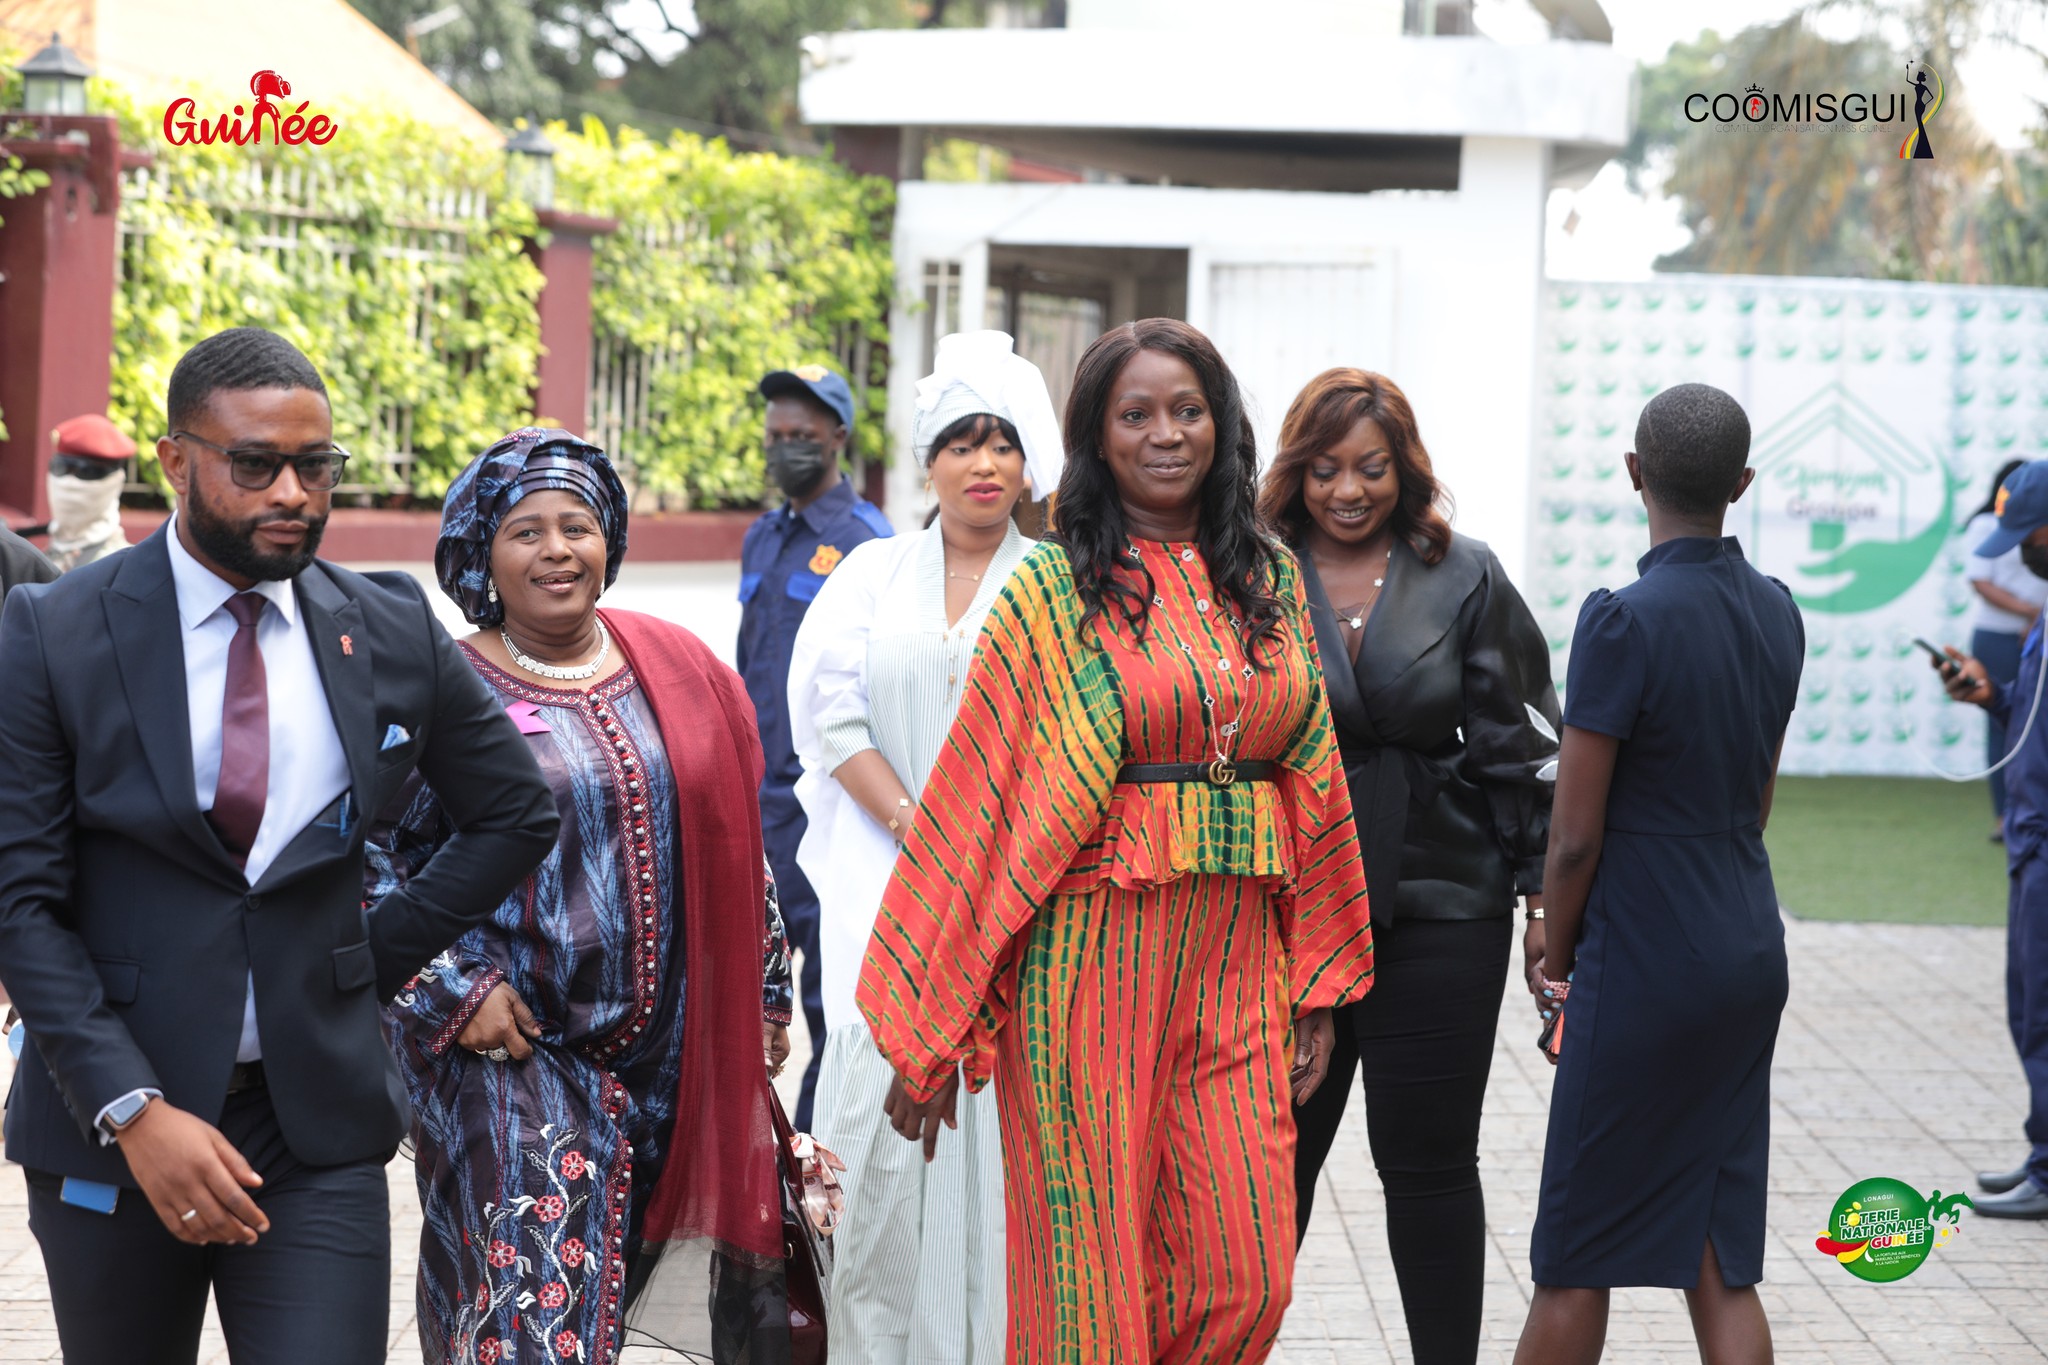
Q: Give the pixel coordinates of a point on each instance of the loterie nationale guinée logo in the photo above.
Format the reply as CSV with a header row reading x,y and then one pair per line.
x,y
1882,1230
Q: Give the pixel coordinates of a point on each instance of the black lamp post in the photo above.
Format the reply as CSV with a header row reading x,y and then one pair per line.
x,y
530,166
53,81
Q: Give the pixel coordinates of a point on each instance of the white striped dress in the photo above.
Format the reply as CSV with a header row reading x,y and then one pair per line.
x,y
918,1274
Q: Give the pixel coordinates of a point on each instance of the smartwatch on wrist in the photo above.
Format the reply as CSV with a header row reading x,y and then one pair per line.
x,y
123,1112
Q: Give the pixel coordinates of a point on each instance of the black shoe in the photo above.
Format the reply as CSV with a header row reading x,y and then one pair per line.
x,y
1998,1182
2028,1201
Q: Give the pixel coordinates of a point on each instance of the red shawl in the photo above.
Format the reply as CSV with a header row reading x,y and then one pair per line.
x,y
719,1181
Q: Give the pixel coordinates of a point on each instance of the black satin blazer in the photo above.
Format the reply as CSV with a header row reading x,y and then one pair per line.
x,y
1450,772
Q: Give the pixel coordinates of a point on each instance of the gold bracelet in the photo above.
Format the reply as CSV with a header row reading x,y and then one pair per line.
x,y
896,820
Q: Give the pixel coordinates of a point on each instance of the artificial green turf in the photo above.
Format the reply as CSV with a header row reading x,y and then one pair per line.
x,y
1902,850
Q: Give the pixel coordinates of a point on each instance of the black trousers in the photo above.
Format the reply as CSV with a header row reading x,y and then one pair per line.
x,y
799,906
314,1290
1424,1039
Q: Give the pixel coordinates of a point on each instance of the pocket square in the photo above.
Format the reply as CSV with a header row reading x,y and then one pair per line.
x,y
394,736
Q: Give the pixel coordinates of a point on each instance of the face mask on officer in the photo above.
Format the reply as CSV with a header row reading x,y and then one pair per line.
x,y
797,466
2035,557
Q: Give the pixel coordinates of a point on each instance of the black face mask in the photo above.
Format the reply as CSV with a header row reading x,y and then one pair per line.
x,y
2035,557
797,466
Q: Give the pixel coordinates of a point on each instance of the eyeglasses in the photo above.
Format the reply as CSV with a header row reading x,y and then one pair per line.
x,y
318,471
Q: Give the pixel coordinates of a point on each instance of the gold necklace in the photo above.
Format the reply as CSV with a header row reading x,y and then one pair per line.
x,y
958,632
1223,770
974,577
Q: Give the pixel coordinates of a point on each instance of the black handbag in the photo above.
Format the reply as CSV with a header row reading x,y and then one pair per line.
x,y
806,1252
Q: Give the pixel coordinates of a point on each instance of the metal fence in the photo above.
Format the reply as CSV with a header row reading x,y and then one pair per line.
x,y
623,412
276,215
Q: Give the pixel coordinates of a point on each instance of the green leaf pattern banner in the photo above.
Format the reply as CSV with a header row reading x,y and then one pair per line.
x,y
1879,411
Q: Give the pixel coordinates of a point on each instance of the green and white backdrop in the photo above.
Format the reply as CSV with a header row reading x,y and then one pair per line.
x,y
1879,413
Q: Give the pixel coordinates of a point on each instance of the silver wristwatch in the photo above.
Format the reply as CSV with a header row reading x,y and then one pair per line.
x,y
123,1112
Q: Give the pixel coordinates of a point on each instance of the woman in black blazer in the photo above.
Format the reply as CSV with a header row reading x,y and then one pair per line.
x,y
1440,690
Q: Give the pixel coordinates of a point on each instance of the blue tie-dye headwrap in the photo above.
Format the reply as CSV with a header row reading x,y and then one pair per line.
x,y
530,460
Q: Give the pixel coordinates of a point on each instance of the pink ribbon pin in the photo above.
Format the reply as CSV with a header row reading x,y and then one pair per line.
x,y
526,715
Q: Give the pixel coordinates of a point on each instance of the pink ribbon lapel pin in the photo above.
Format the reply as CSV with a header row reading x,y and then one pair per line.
x,y
526,715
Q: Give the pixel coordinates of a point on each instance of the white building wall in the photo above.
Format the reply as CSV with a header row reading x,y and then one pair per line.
x,y
1450,280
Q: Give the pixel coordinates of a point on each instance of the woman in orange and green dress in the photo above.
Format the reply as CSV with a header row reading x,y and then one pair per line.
x,y
1133,891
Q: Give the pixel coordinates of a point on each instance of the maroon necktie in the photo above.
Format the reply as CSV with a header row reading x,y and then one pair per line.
x,y
244,735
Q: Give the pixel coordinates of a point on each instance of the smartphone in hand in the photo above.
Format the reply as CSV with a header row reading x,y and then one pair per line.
x,y
1949,667
1551,1041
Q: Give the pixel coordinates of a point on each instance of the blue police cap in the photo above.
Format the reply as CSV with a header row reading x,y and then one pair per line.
x,y
2021,507
814,381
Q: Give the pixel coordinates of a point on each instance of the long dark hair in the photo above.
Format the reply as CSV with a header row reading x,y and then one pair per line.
x,y
1991,499
1088,516
1321,415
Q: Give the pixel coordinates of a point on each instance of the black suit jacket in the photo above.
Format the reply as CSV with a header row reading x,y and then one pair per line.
x,y
21,562
1432,714
127,931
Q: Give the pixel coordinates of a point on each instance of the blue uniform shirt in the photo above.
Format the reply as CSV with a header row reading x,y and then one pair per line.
x,y
783,563
2026,777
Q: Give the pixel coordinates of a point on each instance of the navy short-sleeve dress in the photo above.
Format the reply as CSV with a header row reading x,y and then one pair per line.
x,y
1660,1118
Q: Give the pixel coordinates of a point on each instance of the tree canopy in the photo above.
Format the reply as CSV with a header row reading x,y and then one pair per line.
x,y
720,66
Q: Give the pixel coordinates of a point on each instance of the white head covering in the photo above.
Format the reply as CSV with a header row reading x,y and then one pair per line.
x,y
976,372
85,519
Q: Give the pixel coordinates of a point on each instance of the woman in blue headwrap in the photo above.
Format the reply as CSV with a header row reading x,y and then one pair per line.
x,y
575,1119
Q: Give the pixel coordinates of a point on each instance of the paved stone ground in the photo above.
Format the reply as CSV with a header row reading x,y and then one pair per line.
x,y
1921,1085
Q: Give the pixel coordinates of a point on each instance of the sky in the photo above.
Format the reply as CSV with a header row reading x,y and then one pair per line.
x,y
1620,234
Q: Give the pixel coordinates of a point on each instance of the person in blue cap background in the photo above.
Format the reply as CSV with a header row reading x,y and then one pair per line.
x,y
784,560
2022,509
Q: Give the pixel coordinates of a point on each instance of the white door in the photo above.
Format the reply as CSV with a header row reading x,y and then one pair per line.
x,y
1281,323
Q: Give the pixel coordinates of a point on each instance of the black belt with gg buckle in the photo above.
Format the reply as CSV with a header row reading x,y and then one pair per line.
x,y
1217,772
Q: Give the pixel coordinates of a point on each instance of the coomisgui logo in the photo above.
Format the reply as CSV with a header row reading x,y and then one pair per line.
x,y
1915,105
287,127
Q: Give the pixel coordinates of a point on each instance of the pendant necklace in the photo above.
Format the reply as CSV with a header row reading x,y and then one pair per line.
x,y
571,673
973,577
1354,617
1223,771
955,633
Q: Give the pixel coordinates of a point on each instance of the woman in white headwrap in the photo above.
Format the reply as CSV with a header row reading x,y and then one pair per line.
x,y
918,1259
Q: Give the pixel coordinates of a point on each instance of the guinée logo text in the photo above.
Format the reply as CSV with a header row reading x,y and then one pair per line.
x,y
266,119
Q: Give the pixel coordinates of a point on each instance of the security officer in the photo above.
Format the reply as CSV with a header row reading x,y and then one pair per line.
x,y
85,478
783,563
2022,507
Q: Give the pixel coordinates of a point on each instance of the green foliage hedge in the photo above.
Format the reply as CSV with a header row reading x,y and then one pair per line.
x,y
405,296
729,265
411,290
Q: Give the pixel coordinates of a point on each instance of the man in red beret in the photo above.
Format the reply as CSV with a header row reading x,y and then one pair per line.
x,y
86,474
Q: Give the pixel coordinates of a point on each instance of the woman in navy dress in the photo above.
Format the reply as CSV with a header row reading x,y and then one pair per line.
x,y
1662,915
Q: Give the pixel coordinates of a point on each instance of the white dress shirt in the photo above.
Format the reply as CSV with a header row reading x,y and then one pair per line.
x,y
308,768
2006,571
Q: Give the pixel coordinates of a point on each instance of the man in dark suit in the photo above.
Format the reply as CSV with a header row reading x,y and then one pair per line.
x,y
21,562
197,731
